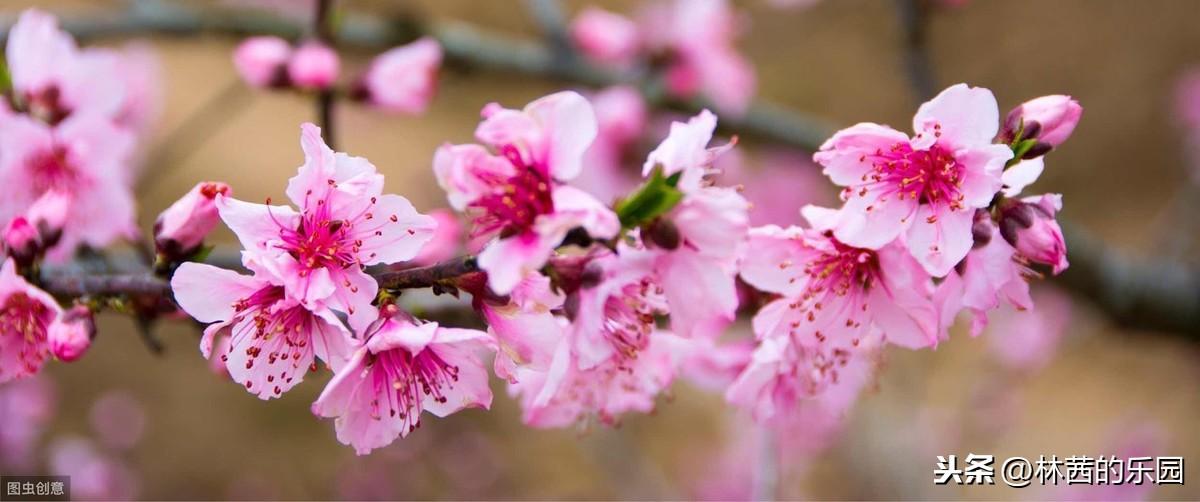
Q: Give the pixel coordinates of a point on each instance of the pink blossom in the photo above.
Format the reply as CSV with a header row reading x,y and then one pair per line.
x,y
703,232
605,37
26,408
182,227
1049,119
1029,339
404,79
71,334
273,338
26,313
83,156
94,474
344,223
832,292
21,241
926,188
615,308
118,419
525,328
262,60
404,369
1029,225
993,271
313,65
52,78
713,366
518,195
698,38
567,394
446,240
621,115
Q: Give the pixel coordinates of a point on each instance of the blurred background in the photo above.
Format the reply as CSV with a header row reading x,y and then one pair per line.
x,y
168,428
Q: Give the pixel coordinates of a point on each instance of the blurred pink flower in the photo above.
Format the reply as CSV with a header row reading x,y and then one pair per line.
x,y
313,65
262,60
605,37
141,73
925,188
778,183
991,272
71,334
614,308
26,313
273,338
118,420
404,79
94,474
518,195
344,224
697,36
1028,339
621,115
1049,119
446,242
525,328
402,370
182,227
26,408
83,156
834,293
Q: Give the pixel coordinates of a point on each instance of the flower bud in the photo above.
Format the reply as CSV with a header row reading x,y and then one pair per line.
x,y
1049,119
182,227
261,61
404,79
21,241
1029,225
604,36
49,214
663,233
71,334
313,66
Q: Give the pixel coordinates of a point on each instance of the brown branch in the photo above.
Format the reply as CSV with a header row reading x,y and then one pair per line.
x,y
426,277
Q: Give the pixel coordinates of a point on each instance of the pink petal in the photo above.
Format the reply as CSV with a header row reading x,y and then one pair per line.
x,y
207,293
1021,175
396,232
967,116
507,260
470,390
981,179
775,260
940,245
702,292
256,225
871,222
569,123
714,220
847,156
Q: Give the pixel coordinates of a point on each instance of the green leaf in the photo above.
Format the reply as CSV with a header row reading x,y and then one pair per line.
x,y
655,197
1020,148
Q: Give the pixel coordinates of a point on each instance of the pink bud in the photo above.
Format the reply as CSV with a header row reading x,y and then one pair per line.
x,y
313,66
260,60
621,113
604,36
48,214
182,227
71,334
1029,225
1055,117
21,241
404,79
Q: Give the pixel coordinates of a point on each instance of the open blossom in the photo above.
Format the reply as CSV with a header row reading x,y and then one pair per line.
x,y
992,272
344,223
615,309
26,313
71,334
404,79
404,369
519,196
83,156
313,65
183,226
273,339
52,78
262,60
697,36
696,244
925,188
834,293
525,328
605,37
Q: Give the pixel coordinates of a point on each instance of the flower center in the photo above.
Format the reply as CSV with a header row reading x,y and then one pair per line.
x,y
629,316
931,176
515,202
409,379
840,277
50,169
26,319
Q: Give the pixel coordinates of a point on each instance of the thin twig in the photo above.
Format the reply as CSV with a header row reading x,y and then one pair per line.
x,y
426,277
914,23
326,99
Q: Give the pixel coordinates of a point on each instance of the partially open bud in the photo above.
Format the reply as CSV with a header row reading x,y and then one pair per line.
x,y
181,229
313,66
49,214
1029,225
21,241
71,334
262,61
1049,119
